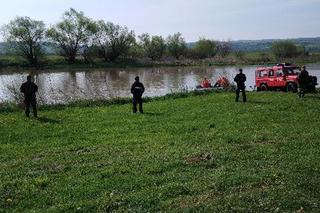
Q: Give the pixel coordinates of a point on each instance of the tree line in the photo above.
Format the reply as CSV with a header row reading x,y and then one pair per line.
x,y
78,35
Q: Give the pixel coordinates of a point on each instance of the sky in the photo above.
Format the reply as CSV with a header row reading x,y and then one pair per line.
x,y
214,19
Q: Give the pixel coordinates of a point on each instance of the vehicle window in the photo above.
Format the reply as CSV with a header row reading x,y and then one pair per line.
x,y
271,73
263,73
279,73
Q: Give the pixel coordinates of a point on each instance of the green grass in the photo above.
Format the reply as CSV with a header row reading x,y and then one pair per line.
x,y
199,153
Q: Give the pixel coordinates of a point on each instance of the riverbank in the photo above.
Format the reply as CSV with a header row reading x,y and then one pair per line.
x,y
197,153
249,58
13,107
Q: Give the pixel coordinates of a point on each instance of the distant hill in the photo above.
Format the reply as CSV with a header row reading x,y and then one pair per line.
x,y
311,44
2,48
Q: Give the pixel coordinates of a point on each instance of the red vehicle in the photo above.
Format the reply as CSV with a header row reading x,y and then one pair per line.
x,y
281,76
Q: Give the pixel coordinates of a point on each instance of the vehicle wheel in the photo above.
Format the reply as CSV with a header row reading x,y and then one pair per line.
x,y
291,87
263,87
258,89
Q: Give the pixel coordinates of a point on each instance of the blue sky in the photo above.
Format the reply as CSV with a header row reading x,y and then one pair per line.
x,y
216,19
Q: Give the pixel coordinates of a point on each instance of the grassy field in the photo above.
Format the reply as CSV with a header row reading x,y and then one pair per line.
x,y
199,153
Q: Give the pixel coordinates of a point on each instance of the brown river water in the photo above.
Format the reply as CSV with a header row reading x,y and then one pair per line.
x,y
63,86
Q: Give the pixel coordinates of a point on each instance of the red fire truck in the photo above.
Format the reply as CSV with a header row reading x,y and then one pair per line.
x,y
282,76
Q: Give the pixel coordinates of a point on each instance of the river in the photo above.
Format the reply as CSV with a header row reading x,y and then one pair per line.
x,y
63,86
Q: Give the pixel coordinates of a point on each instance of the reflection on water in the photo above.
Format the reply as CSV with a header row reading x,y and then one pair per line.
x,y
67,86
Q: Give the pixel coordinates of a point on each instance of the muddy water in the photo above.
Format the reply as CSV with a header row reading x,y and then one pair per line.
x,y
63,86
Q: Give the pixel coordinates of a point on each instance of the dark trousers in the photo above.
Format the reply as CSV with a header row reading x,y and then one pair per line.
x,y
243,90
32,102
137,100
302,90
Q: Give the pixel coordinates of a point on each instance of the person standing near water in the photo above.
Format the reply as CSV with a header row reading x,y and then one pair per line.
x,y
29,90
303,80
137,90
240,79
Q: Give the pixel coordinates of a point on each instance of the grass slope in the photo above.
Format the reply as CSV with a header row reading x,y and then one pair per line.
x,y
203,153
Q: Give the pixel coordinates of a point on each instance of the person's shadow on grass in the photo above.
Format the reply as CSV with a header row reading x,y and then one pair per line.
x,y
48,120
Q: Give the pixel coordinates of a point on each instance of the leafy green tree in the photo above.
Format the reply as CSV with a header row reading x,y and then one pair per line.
x,y
26,36
284,49
224,48
206,48
154,47
72,33
89,53
176,45
113,40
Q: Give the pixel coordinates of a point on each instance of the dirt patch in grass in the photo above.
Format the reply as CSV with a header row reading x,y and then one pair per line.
x,y
198,158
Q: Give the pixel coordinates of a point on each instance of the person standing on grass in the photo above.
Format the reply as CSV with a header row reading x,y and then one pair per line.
x,y
240,79
29,90
303,80
137,90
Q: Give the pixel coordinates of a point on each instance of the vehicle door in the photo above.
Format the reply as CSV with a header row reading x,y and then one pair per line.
x,y
280,78
261,77
272,79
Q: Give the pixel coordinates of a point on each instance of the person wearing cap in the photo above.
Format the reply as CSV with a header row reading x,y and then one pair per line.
x,y
137,90
29,90
303,80
240,79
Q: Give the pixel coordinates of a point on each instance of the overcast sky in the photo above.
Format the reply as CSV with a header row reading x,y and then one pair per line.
x,y
216,19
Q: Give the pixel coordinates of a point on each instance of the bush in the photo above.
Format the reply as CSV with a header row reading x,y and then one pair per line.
x,y
206,48
284,49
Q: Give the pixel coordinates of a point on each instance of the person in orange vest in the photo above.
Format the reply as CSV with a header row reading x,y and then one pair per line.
x,y
206,83
222,82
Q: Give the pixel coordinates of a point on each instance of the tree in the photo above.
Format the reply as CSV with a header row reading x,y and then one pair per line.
x,y
284,49
27,36
205,48
113,40
154,47
72,33
224,48
176,45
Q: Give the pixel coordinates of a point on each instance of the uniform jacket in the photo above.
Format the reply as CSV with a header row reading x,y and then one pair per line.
x,y
29,90
137,89
240,79
303,78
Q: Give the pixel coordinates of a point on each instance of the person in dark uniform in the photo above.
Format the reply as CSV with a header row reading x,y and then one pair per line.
x,y
137,89
29,90
303,80
240,79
